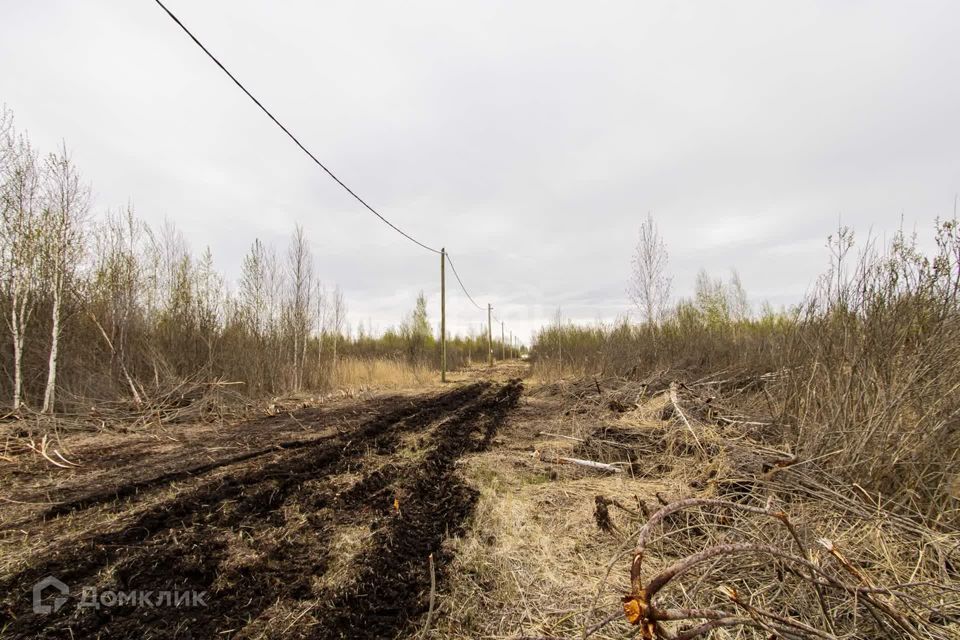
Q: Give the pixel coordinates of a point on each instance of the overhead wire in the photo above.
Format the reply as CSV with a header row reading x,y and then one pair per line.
x,y
465,292
287,131
310,154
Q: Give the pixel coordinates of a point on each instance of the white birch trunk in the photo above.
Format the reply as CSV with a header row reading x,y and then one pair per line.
x,y
51,390
17,354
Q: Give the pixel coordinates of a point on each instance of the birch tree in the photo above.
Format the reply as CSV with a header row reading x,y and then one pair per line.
x,y
67,204
209,302
253,296
6,138
649,286
718,302
338,310
300,271
253,306
321,320
416,330
20,244
175,320
275,283
739,302
116,288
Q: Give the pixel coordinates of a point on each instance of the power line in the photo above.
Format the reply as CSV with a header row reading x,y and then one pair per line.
x,y
467,293
290,135
310,155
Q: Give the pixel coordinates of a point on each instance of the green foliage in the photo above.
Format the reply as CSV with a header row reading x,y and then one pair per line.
x,y
416,333
719,303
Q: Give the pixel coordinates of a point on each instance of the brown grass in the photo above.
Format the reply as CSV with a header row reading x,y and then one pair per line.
x,y
535,564
382,373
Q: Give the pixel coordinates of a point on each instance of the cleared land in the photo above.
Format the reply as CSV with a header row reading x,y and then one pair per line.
x,y
320,522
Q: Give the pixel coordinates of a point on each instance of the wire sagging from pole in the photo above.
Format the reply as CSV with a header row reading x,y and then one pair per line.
x,y
290,135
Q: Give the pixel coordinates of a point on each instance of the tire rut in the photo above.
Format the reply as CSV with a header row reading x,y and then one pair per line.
x,y
278,516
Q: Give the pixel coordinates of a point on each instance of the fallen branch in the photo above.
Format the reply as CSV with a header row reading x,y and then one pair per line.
x,y
557,435
577,461
679,411
641,608
42,450
433,597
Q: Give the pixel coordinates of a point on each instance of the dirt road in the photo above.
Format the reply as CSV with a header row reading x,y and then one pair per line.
x,y
316,524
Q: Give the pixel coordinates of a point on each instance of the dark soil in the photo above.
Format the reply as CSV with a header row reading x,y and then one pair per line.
x,y
256,533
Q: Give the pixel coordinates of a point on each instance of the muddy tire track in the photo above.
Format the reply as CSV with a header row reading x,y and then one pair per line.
x,y
260,533
390,415
389,589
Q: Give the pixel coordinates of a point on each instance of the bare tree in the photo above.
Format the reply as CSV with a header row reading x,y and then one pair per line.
x,y
253,295
300,267
416,331
6,138
176,321
338,310
20,244
321,321
209,301
739,302
275,282
254,309
63,223
649,286
118,287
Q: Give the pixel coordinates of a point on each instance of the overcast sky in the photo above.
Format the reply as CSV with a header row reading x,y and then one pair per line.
x,y
529,138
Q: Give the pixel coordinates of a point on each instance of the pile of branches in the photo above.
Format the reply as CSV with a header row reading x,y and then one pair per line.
x,y
725,564
777,546
192,400
762,542
185,401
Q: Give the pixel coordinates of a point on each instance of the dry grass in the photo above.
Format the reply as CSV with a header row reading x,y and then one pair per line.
x,y
380,373
535,564
534,559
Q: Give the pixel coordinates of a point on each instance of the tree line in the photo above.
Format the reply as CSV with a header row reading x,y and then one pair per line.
x,y
107,308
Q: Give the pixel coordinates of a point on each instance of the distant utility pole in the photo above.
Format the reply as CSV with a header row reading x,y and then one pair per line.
x,y
512,354
490,334
443,314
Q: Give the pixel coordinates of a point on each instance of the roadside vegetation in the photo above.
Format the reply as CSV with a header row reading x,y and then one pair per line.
x,y
864,375
107,310
763,473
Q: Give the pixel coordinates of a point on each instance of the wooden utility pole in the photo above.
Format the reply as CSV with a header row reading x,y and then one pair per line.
x,y
443,314
512,354
489,334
